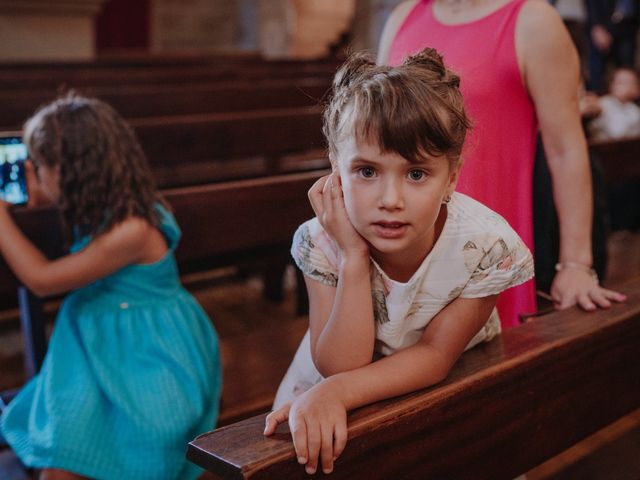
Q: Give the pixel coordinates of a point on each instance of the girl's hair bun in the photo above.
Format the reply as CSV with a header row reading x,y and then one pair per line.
x,y
355,66
431,60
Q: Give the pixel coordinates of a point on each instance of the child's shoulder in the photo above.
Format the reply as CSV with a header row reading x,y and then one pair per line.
x,y
312,236
466,212
315,253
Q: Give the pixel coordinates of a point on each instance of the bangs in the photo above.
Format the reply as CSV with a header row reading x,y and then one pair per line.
x,y
412,124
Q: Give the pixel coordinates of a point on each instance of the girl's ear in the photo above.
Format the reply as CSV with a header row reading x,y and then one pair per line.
x,y
453,180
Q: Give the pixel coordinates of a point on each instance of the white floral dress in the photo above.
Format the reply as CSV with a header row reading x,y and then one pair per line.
x,y
477,254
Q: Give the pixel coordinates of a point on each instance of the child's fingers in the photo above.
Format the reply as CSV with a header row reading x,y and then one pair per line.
x,y
326,452
299,435
324,209
327,192
336,193
315,194
275,418
339,439
314,443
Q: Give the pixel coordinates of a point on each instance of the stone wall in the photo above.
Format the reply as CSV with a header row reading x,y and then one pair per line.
x,y
179,25
277,28
47,29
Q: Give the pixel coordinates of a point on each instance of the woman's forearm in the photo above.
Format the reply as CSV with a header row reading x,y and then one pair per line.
x,y
573,197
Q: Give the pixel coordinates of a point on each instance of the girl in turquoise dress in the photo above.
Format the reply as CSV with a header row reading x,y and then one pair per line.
x,y
132,371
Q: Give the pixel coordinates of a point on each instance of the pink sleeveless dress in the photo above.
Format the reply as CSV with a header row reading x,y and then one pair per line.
x,y
499,152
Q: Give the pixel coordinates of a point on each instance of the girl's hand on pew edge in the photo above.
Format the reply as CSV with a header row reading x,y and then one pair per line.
x,y
573,286
318,424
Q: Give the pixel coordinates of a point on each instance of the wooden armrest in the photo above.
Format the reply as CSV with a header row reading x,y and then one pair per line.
x,y
506,406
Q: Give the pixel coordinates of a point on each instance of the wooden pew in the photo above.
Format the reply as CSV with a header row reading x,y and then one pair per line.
x,y
201,148
82,75
223,224
139,101
506,406
195,149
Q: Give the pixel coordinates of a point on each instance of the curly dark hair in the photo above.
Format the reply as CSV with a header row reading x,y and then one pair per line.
x,y
412,109
104,175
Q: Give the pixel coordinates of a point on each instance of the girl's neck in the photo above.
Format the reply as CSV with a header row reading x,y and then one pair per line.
x,y
453,12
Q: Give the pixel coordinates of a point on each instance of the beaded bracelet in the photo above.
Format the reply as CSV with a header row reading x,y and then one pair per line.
x,y
577,266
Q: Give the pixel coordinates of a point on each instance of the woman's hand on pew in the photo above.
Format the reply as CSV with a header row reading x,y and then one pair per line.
x,y
318,424
575,285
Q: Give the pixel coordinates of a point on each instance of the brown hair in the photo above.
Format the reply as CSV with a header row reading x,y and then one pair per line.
x,y
414,109
104,176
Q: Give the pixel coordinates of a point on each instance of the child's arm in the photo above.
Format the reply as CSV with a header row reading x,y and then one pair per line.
x,y
318,417
340,318
124,244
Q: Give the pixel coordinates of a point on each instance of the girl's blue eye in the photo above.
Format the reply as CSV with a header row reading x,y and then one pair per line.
x,y
367,172
416,175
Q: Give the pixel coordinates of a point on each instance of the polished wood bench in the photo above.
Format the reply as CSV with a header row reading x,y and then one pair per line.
x,y
506,406
195,149
87,74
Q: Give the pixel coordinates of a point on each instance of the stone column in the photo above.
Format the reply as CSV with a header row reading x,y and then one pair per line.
x,y
48,29
193,25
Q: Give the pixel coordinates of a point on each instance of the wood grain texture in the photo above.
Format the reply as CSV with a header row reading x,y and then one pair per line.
x,y
143,101
174,140
89,74
506,406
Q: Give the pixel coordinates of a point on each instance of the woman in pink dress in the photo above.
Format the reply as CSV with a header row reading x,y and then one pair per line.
x,y
519,72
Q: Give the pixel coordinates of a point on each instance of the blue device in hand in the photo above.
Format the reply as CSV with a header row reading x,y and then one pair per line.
x,y
13,154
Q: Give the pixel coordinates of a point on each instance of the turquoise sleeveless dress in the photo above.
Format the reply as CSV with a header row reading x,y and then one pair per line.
x,y
132,374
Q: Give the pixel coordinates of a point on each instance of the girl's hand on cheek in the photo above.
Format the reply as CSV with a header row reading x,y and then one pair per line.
x,y
327,200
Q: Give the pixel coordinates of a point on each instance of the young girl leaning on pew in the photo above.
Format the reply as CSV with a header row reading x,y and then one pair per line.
x,y
132,371
402,272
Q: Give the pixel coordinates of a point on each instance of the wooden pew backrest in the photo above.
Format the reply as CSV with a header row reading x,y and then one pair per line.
x,y
141,101
243,219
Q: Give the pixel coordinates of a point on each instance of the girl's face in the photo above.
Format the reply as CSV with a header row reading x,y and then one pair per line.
x,y
49,180
392,203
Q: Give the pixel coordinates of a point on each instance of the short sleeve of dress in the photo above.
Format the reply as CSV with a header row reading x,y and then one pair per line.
x,y
501,261
312,253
